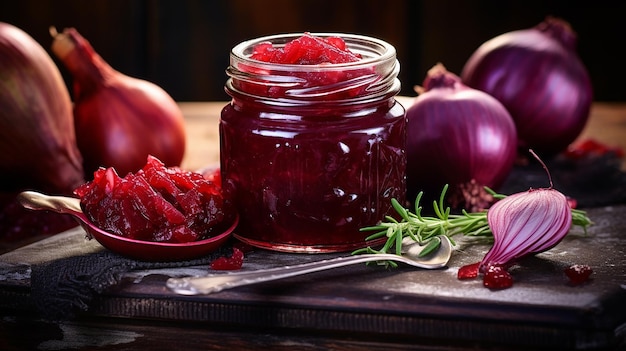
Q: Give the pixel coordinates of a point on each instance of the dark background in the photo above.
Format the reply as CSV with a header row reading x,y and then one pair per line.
x,y
183,45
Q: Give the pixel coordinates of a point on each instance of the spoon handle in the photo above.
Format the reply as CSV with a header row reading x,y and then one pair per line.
x,y
38,201
217,282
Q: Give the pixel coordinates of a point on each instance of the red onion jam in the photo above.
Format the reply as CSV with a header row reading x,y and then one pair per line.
x,y
312,152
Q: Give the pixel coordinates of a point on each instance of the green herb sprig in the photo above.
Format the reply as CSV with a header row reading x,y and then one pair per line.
x,y
426,229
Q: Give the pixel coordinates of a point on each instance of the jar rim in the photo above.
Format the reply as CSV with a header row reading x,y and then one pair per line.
x,y
372,50
373,76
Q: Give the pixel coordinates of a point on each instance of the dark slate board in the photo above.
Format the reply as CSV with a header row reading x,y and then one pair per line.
x,y
404,304
541,309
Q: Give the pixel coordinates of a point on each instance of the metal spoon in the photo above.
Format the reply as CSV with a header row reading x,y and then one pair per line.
x,y
217,282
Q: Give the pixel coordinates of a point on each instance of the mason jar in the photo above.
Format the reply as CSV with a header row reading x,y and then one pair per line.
x,y
312,153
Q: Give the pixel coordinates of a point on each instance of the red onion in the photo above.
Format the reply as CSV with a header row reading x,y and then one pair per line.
x,y
37,140
539,78
526,223
457,135
523,224
119,120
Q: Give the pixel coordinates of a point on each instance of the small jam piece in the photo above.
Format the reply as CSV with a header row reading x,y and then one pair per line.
x,y
156,204
590,147
578,273
234,262
573,203
469,271
497,277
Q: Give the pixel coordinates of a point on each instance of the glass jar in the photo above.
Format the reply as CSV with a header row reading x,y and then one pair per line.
x,y
313,153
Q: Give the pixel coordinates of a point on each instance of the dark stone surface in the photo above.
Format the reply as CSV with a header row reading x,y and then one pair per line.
x,y
592,181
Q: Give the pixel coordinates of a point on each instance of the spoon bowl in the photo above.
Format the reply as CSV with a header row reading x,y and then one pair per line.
x,y
137,249
411,251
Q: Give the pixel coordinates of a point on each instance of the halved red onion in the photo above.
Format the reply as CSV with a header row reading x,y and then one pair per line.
x,y
526,223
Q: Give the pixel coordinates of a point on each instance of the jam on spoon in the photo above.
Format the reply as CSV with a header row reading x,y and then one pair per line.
x,y
156,203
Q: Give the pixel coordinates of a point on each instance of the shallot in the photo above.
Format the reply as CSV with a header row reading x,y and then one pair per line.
x,y
538,76
119,120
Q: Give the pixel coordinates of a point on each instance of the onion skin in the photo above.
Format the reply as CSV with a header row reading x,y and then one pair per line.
x,y
456,135
539,78
526,223
37,136
119,120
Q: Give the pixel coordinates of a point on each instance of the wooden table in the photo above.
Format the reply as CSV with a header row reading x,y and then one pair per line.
x,y
352,308
607,123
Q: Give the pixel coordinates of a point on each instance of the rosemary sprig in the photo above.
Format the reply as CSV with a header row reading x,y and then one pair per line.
x,y
423,229
579,218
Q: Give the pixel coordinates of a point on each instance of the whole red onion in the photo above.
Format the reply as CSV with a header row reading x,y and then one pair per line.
x,y
539,78
119,120
37,138
456,135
